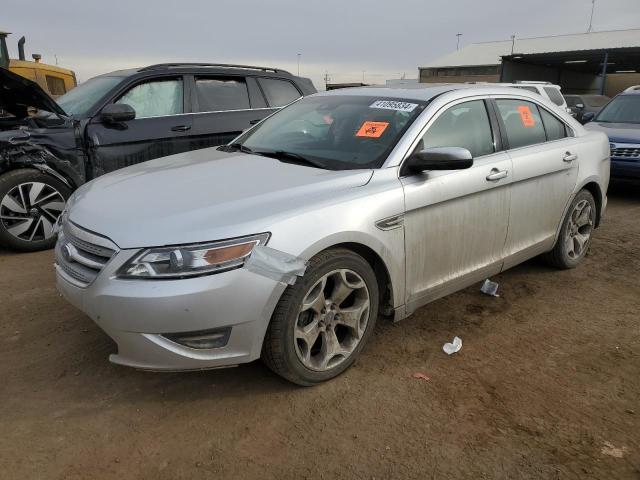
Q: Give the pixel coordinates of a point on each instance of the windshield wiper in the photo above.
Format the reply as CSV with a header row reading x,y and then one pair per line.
x,y
290,157
233,147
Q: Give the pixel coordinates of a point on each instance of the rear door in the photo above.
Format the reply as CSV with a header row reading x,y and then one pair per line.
x,y
161,126
224,106
545,169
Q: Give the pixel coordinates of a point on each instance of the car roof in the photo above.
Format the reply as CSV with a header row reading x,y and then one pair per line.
x,y
163,68
428,91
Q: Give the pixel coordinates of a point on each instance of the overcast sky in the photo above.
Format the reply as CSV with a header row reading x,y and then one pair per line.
x,y
383,38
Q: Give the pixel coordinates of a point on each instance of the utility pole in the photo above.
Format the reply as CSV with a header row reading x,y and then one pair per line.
x,y
513,43
326,78
458,42
363,75
299,55
593,7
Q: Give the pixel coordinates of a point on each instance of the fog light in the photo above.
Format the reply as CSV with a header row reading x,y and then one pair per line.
x,y
203,339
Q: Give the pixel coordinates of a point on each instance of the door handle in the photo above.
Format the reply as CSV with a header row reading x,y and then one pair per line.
x,y
569,157
181,128
496,175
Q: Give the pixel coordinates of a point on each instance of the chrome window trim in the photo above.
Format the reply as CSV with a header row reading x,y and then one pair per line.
x,y
212,111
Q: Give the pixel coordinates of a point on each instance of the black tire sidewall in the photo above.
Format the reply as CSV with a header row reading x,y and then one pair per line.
x,y
343,260
8,181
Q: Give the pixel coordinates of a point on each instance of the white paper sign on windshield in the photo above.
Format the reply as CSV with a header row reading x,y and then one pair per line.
x,y
394,105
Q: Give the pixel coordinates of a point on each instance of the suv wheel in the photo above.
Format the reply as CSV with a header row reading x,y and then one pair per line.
x,y
323,321
575,234
30,204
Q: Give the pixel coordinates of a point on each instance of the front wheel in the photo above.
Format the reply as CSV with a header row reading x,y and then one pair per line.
x,y
323,321
575,233
30,204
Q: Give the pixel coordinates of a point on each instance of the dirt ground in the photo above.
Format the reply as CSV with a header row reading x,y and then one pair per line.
x,y
547,385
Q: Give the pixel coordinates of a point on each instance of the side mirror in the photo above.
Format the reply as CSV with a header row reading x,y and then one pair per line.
x,y
587,117
117,112
579,106
440,158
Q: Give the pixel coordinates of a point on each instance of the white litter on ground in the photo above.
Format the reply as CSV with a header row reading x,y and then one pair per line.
x,y
490,288
452,347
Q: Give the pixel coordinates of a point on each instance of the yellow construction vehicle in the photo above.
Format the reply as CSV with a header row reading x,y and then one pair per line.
x,y
54,80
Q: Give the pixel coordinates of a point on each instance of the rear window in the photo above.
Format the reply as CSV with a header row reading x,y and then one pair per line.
x,y
220,94
522,122
279,92
554,95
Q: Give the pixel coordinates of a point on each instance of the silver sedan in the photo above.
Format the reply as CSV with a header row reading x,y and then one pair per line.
x,y
289,243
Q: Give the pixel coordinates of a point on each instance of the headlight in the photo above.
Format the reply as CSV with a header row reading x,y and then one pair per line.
x,y
191,260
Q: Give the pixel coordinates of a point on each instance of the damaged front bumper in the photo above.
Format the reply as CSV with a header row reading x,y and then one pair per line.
x,y
149,318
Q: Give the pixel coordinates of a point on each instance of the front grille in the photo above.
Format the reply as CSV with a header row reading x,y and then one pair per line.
x,y
82,255
626,152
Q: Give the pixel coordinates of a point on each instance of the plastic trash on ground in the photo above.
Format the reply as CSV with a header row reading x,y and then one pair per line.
x,y
453,347
490,288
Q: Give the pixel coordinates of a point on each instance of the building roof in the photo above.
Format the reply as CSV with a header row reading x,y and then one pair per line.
x,y
489,53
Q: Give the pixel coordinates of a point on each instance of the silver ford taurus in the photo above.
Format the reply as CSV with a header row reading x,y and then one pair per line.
x,y
289,243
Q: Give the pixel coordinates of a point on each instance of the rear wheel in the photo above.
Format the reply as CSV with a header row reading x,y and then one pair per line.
x,y
575,234
323,321
30,204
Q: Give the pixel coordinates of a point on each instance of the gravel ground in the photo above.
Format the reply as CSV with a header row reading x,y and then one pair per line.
x,y
547,385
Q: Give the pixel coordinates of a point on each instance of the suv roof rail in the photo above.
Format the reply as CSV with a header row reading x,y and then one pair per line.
x,y
534,82
159,66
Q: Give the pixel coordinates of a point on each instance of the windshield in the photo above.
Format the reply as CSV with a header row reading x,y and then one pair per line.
x,y
338,132
622,109
79,101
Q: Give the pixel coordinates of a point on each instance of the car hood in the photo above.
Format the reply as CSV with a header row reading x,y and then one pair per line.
x,y
201,196
17,92
617,132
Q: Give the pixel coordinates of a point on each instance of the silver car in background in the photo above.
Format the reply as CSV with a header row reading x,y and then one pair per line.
x,y
290,242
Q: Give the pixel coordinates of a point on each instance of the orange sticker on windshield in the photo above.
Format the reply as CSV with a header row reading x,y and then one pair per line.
x,y
526,116
372,129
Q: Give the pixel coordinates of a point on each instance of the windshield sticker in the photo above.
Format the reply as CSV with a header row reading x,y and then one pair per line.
x,y
526,116
393,105
372,129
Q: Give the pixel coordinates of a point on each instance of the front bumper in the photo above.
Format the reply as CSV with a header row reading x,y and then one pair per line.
x,y
625,168
135,314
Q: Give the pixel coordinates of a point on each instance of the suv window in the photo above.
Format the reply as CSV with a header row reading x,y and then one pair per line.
x,y
464,125
522,122
157,98
219,94
279,92
554,95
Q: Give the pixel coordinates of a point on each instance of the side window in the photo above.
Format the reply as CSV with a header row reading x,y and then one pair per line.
x,y
222,93
279,92
571,101
55,85
155,99
555,128
522,122
554,95
465,125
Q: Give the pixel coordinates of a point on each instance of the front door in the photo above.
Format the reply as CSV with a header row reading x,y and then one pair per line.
x,y
545,169
162,127
456,221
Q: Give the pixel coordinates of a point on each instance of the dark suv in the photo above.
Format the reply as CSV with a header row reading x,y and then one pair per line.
x,y
116,120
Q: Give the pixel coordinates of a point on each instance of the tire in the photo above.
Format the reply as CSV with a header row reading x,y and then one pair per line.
x,y
574,240
30,203
329,276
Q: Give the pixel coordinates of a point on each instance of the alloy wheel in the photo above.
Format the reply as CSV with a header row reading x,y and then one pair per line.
x,y
579,229
332,319
30,210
